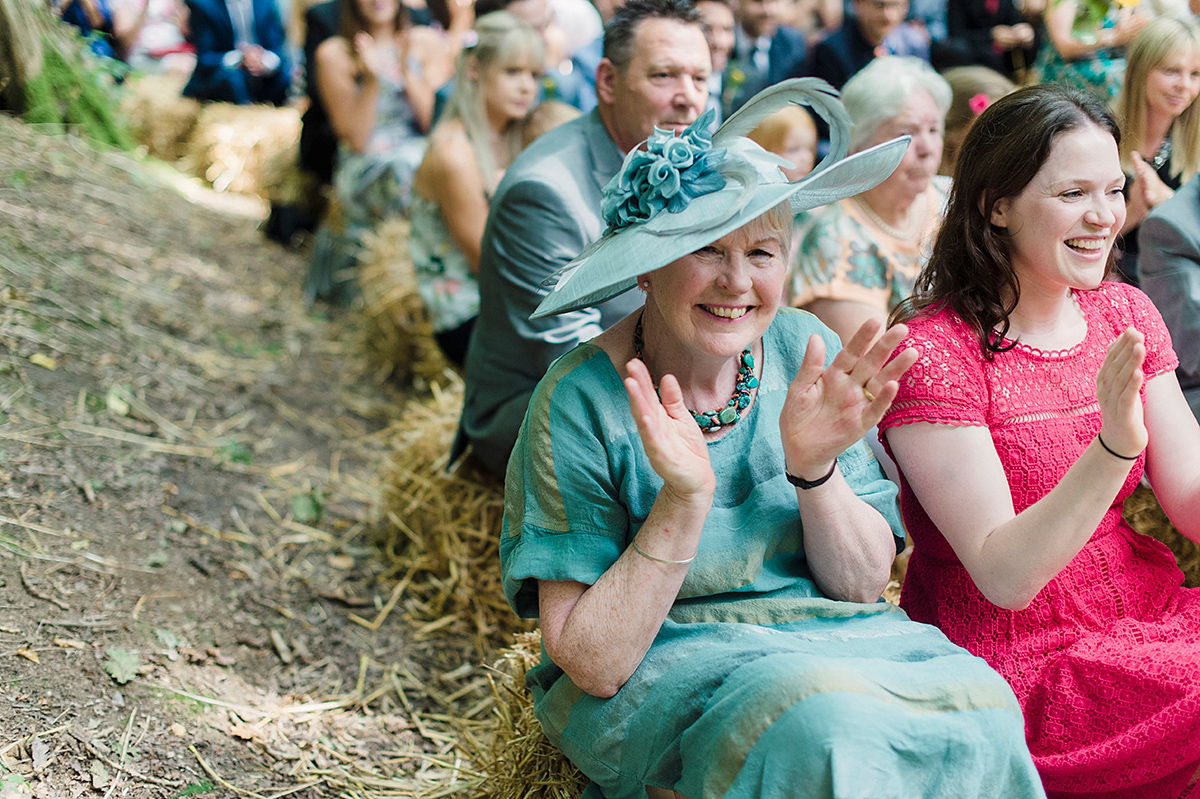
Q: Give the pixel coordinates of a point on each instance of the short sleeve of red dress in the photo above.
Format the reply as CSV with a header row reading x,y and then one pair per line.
x,y
946,385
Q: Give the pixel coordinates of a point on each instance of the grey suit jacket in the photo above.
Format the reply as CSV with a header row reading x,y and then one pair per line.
x,y
1170,268
544,212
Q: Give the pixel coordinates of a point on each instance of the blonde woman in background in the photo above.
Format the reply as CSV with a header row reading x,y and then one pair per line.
x,y
1160,123
475,140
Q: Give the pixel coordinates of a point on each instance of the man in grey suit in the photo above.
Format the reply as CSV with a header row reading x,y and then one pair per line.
x,y
547,209
1169,240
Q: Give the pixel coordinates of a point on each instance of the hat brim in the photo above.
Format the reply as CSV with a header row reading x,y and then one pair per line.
x,y
606,268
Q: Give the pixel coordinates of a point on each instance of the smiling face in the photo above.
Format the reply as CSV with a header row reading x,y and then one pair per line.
x,y
1174,83
1062,225
664,85
719,299
920,119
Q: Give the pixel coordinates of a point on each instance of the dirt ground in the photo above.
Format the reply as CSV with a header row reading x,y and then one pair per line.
x,y
188,460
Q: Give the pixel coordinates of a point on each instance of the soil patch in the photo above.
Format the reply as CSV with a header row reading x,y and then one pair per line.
x,y
191,599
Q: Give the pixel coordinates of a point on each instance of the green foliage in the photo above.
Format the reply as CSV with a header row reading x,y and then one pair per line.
x,y
122,665
73,93
234,452
308,507
195,788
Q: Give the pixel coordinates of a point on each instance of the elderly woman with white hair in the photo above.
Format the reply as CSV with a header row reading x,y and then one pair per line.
x,y
860,256
708,581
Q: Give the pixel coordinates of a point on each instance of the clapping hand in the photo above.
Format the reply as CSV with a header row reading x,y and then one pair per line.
x,y
1118,390
828,409
368,55
670,435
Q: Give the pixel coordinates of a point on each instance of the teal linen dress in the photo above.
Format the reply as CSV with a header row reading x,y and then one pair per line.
x,y
756,685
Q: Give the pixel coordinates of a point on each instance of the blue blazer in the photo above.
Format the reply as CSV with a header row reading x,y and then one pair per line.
x,y
213,36
787,57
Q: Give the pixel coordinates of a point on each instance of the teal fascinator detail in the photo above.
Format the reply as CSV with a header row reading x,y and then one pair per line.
x,y
667,175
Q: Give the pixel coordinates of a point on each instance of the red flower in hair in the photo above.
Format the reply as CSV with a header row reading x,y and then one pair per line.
x,y
978,103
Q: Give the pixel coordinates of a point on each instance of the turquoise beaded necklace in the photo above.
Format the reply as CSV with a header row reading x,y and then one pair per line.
x,y
710,421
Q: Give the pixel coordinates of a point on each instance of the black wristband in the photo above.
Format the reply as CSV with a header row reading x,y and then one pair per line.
x,y
800,482
1114,453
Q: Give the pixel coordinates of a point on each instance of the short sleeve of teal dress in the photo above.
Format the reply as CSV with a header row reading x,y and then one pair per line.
x,y
752,654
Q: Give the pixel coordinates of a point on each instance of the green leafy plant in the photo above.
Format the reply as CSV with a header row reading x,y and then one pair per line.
x,y
122,665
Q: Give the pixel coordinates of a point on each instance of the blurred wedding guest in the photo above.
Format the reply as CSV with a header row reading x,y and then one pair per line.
x,y
1086,50
545,117
113,28
876,28
372,79
563,78
764,52
862,254
929,15
989,33
792,134
1170,272
241,52
547,210
476,138
160,44
973,89
716,18
814,18
1160,123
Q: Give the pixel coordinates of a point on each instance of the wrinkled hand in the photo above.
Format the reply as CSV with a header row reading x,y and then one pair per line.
x,y
827,409
672,439
1118,390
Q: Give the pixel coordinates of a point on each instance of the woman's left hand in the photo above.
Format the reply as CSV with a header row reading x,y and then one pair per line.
x,y
828,409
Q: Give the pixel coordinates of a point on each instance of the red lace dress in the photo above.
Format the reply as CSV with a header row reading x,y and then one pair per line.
x,y
1106,659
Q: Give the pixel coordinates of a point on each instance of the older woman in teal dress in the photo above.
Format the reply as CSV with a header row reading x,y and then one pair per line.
x,y
708,582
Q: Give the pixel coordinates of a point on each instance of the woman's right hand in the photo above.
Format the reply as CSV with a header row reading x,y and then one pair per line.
x,y
672,439
1118,390
368,55
1129,23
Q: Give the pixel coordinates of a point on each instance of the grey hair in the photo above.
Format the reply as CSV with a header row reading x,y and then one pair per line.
x,y
880,91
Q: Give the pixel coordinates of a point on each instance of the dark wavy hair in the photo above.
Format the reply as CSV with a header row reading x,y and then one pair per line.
x,y
970,271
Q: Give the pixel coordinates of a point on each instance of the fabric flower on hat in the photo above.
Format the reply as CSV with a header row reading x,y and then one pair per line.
x,y
670,172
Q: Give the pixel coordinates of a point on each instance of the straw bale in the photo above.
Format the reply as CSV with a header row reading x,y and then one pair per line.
x,y
442,525
160,118
522,763
247,149
1145,515
398,337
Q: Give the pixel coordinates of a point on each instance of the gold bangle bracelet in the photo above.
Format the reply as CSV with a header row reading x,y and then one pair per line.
x,y
648,556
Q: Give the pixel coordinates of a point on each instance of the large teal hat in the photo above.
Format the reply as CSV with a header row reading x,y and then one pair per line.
x,y
681,192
